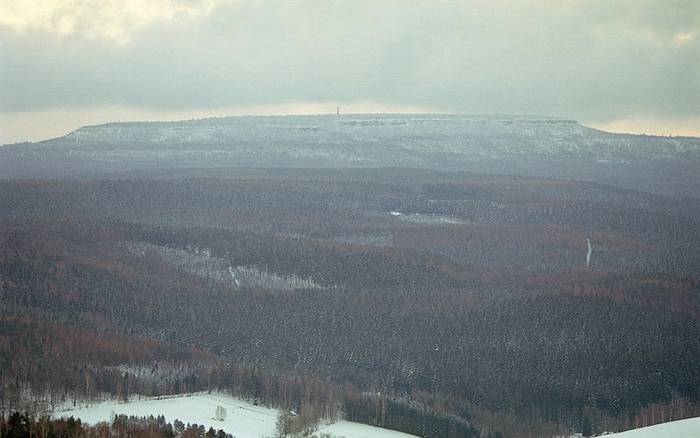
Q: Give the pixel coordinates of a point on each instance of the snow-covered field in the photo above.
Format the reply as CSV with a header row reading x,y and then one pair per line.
x,y
689,428
243,419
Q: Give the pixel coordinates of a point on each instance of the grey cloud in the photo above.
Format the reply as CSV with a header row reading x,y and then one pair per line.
x,y
573,59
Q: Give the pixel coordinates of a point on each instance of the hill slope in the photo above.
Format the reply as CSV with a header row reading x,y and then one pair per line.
x,y
535,146
689,428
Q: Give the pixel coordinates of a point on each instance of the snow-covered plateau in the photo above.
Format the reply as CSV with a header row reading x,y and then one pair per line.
x,y
512,145
242,419
363,138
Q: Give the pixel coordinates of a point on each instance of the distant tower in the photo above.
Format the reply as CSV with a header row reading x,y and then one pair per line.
x,y
588,254
337,110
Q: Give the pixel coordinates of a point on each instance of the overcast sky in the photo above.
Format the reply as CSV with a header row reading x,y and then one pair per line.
x,y
630,65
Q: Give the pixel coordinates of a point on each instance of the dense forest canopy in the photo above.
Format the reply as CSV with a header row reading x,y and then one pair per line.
x,y
393,297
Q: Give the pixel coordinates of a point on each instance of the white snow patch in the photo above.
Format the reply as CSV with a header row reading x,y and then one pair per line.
x,y
201,263
688,428
349,429
429,218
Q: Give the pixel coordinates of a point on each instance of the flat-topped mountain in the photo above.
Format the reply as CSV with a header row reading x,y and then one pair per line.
x,y
528,145
365,138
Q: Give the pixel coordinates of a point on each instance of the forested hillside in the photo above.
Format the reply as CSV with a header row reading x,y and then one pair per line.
x,y
442,304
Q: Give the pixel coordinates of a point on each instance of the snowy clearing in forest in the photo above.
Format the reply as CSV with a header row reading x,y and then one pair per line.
x,y
688,428
428,218
200,262
242,419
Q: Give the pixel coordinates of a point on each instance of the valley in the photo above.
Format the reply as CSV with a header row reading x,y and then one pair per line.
x,y
308,289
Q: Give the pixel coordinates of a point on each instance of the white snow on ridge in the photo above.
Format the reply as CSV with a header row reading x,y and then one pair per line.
x,y
353,138
243,419
688,428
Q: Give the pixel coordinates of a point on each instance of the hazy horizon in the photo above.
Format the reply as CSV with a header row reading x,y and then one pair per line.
x,y
57,123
